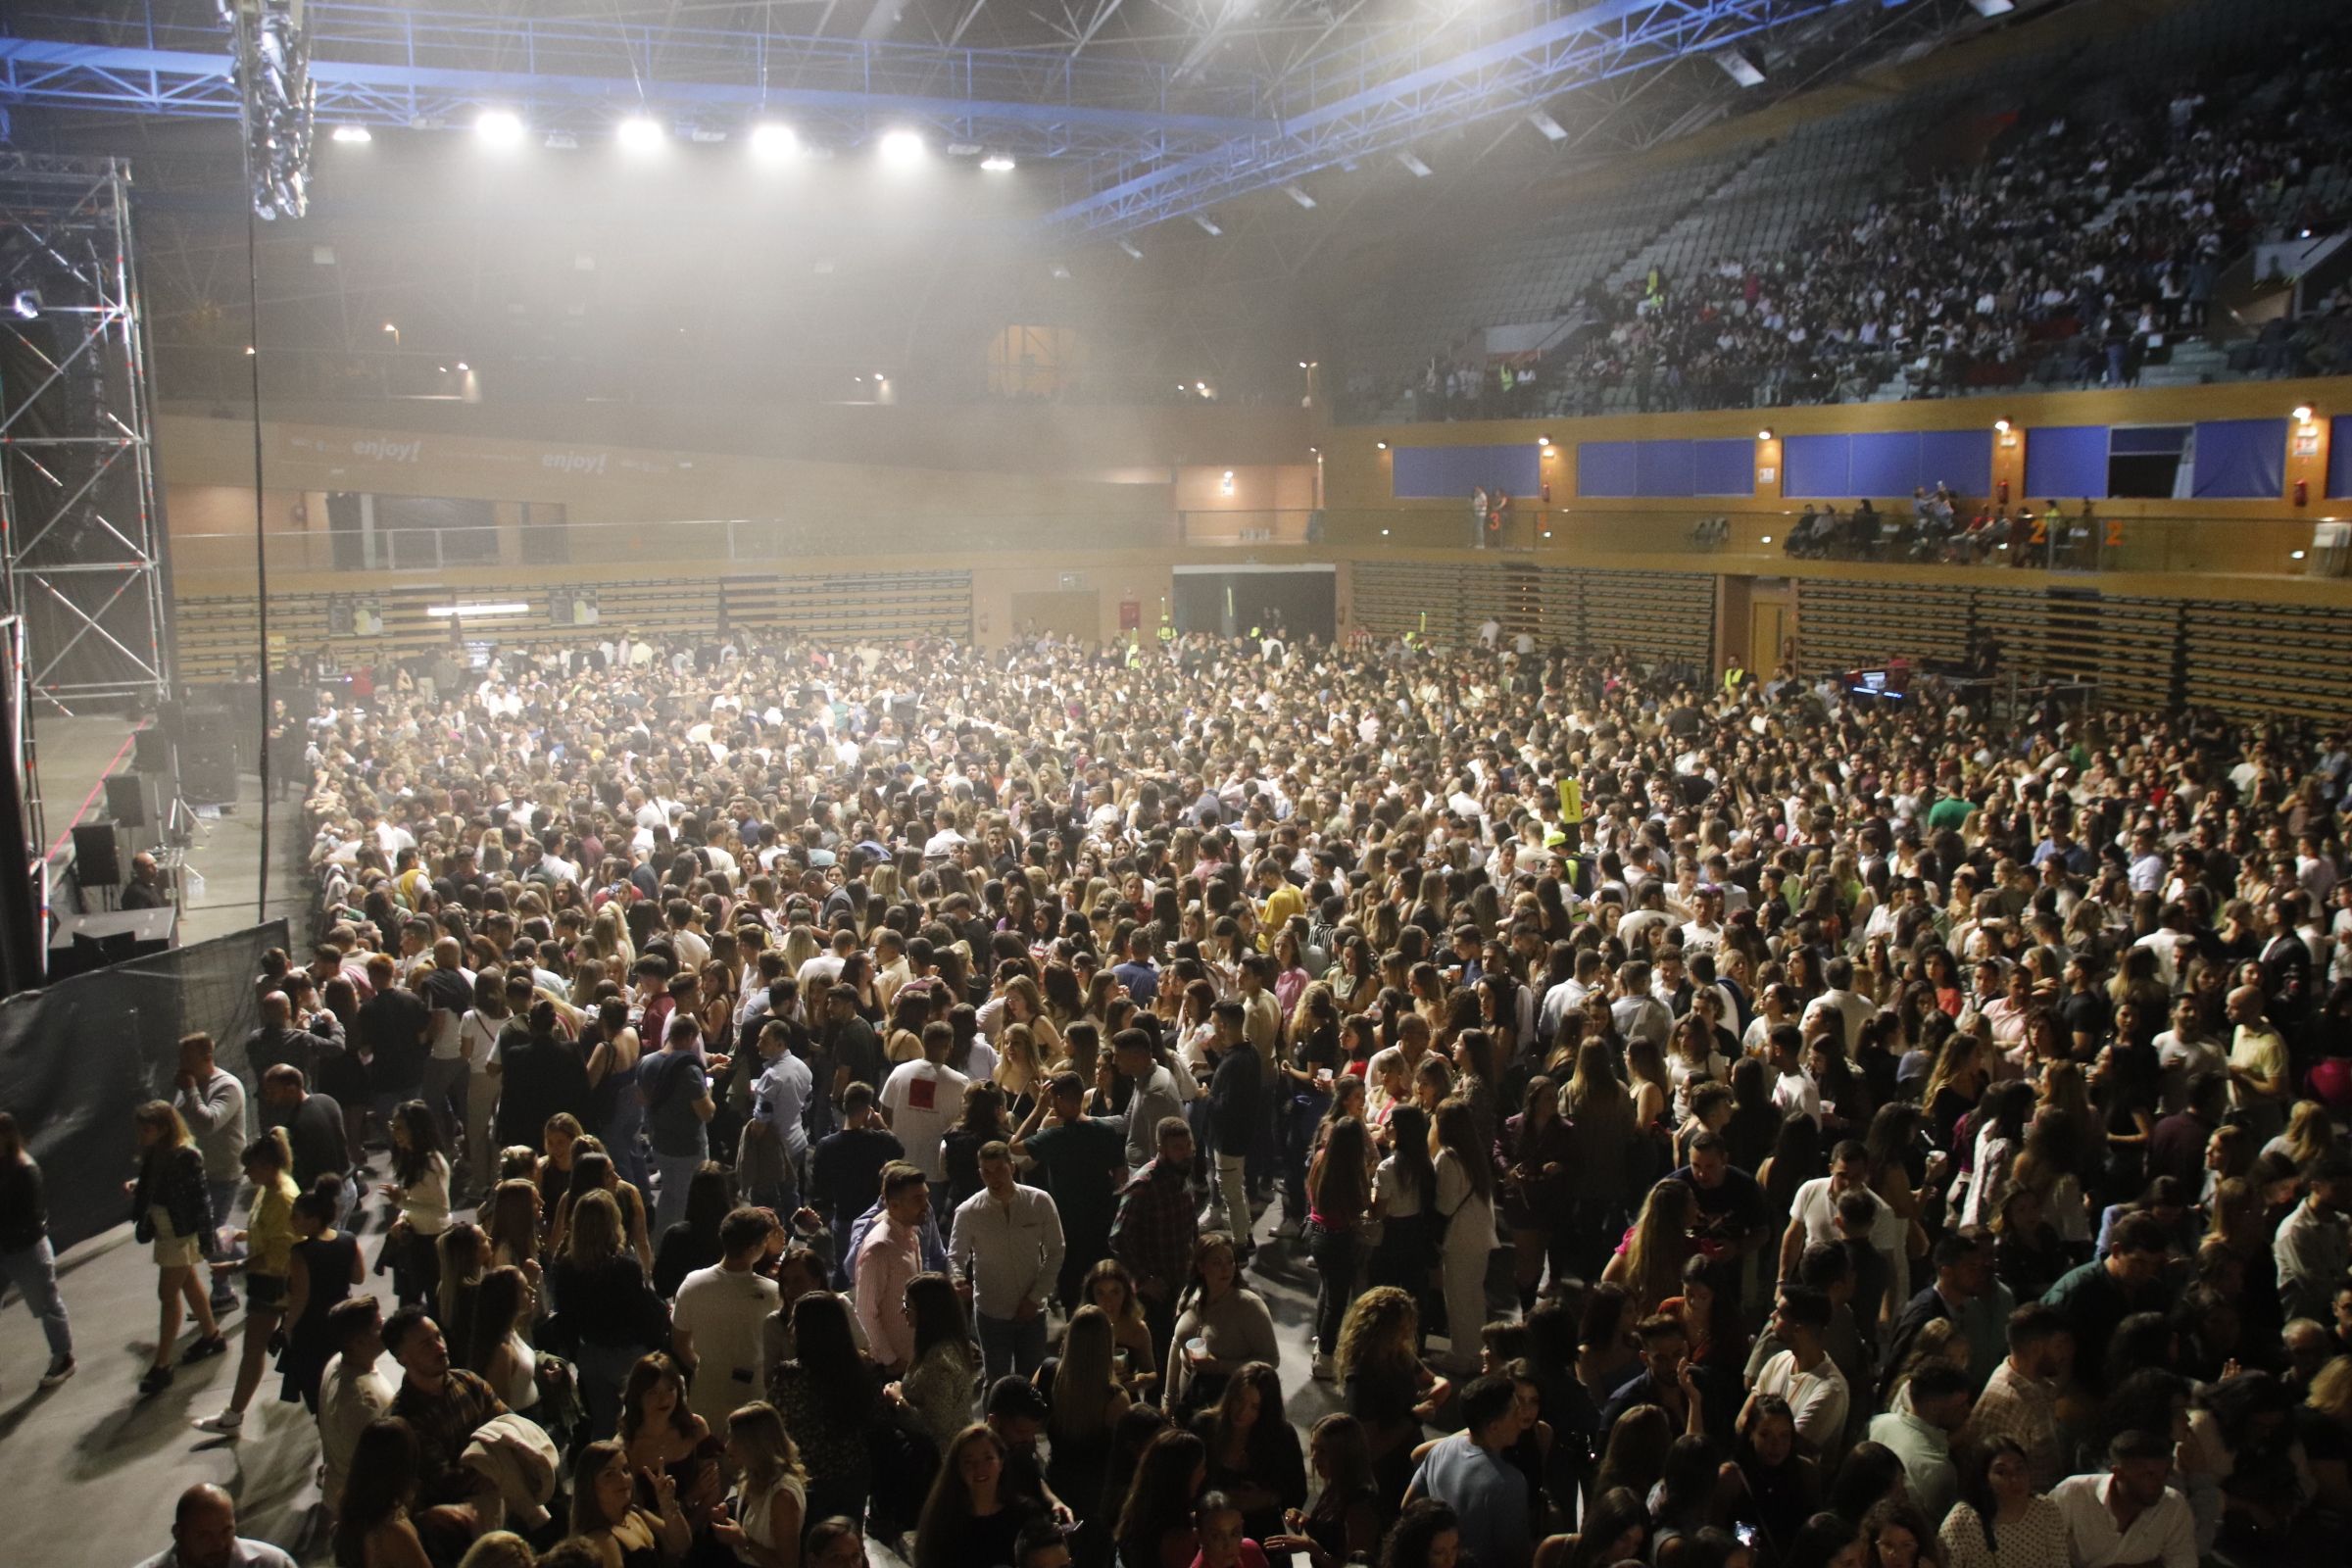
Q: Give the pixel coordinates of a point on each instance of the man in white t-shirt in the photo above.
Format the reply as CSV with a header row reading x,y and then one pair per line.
x,y
1813,1213
720,1316
1803,1374
921,1100
1794,1090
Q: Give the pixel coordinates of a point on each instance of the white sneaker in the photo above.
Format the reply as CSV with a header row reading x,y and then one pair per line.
x,y
227,1424
1323,1371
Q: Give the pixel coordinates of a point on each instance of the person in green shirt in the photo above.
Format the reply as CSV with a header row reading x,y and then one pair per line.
x,y
1951,812
1083,1163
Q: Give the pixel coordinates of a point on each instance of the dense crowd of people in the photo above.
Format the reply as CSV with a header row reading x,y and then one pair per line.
x,y
809,1094
2074,254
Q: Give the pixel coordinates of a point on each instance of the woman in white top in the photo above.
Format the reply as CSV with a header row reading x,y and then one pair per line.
x,y
1465,1205
420,1188
504,1305
773,1498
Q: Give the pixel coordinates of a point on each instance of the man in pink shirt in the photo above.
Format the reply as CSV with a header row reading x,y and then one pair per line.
x,y
892,1255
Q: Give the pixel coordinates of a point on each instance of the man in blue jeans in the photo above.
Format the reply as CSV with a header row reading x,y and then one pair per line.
x,y
27,1259
677,1105
1005,1250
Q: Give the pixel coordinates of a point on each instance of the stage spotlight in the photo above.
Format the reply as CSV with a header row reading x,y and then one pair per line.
x,y
27,302
499,127
1208,227
1294,193
1133,253
902,149
997,163
638,134
562,142
353,135
775,141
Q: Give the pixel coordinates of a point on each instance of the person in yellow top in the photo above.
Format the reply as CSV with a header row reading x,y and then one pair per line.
x,y
268,1238
1281,903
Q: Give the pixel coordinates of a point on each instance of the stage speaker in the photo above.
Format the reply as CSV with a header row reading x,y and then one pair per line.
x,y
208,766
96,864
86,942
172,720
151,750
126,800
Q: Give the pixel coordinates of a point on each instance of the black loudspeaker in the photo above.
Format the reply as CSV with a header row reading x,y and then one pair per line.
x,y
172,720
126,800
96,864
151,750
87,942
207,768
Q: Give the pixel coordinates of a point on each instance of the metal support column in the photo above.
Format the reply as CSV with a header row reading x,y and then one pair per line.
x,y
81,527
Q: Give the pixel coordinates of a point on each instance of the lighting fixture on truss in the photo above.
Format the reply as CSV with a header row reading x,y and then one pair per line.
x,y
271,64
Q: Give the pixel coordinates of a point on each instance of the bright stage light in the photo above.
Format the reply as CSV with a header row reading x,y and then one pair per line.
x,y
638,134
902,149
353,135
775,141
499,127
447,612
998,163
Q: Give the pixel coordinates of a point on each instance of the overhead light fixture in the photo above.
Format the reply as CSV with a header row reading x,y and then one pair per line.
x,y
705,134
249,348
1381,445
1207,226
2001,427
1741,70
902,149
997,163
562,142
1420,170
25,303
1544,441
1225,486
464,612
639,134
1383,533
771,140
1767,539
2302,413
2294,555
353,135
1293,191
964,149
1550,127
1133,253
463,366
1992,7
1764,434
499,127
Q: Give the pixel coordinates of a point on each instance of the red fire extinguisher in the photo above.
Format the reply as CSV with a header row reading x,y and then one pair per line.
x,y
2002,492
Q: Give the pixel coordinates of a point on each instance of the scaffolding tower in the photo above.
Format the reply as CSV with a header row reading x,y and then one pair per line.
x,y
81,530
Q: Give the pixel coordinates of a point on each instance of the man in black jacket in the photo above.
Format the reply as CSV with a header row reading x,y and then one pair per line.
x,y
1237,1098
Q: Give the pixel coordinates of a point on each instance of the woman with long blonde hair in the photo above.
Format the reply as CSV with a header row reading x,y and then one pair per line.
x,y
771,1493
1651,1263
172,1209
1020,1072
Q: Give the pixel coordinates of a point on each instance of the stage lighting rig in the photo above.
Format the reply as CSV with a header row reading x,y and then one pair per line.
x,y
272,68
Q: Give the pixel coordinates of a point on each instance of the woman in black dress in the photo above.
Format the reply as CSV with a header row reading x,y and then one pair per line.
x,y
325,1266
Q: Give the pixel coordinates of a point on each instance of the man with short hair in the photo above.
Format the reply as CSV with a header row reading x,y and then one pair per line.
x,y
677,1109
924,1097
1082,1161
720,1312
1813,1211
1803,1374
1666,1380
2020,1401
1153,1094
845,1172
2098,1295
2258,1066
315,1131
1236,1113
891,1254
2312,1249
204,1535
1154,1228
2127,1518
212,1102
351,1391
1922,1436
443,1403
1470,1472
1006,1248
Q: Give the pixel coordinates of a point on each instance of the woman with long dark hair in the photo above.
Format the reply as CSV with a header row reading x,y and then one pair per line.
x,y
322,1268
419,1191
606,1513
2000,1521
1253,1454
1404,1193
372,1529
1779,1488
1538,1150
1465,1203
969,1520
830,1397
1339,1195
1388,1388
939,1382
1615,1529
1154,1528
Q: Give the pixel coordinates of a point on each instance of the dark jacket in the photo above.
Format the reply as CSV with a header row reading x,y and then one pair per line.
x,y
174,1179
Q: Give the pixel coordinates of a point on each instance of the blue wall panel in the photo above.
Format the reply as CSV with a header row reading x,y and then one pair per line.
x,y
1884,463
2241,460
1427,473
1817,467
1661,467
2339,456
1723,468
1607,468
2063,461
1961,459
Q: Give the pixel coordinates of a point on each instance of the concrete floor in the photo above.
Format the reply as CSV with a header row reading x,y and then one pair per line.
x,y
96,1469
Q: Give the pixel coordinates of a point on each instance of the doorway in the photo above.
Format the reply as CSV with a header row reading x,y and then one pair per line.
x,y
1771,625
1231,601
